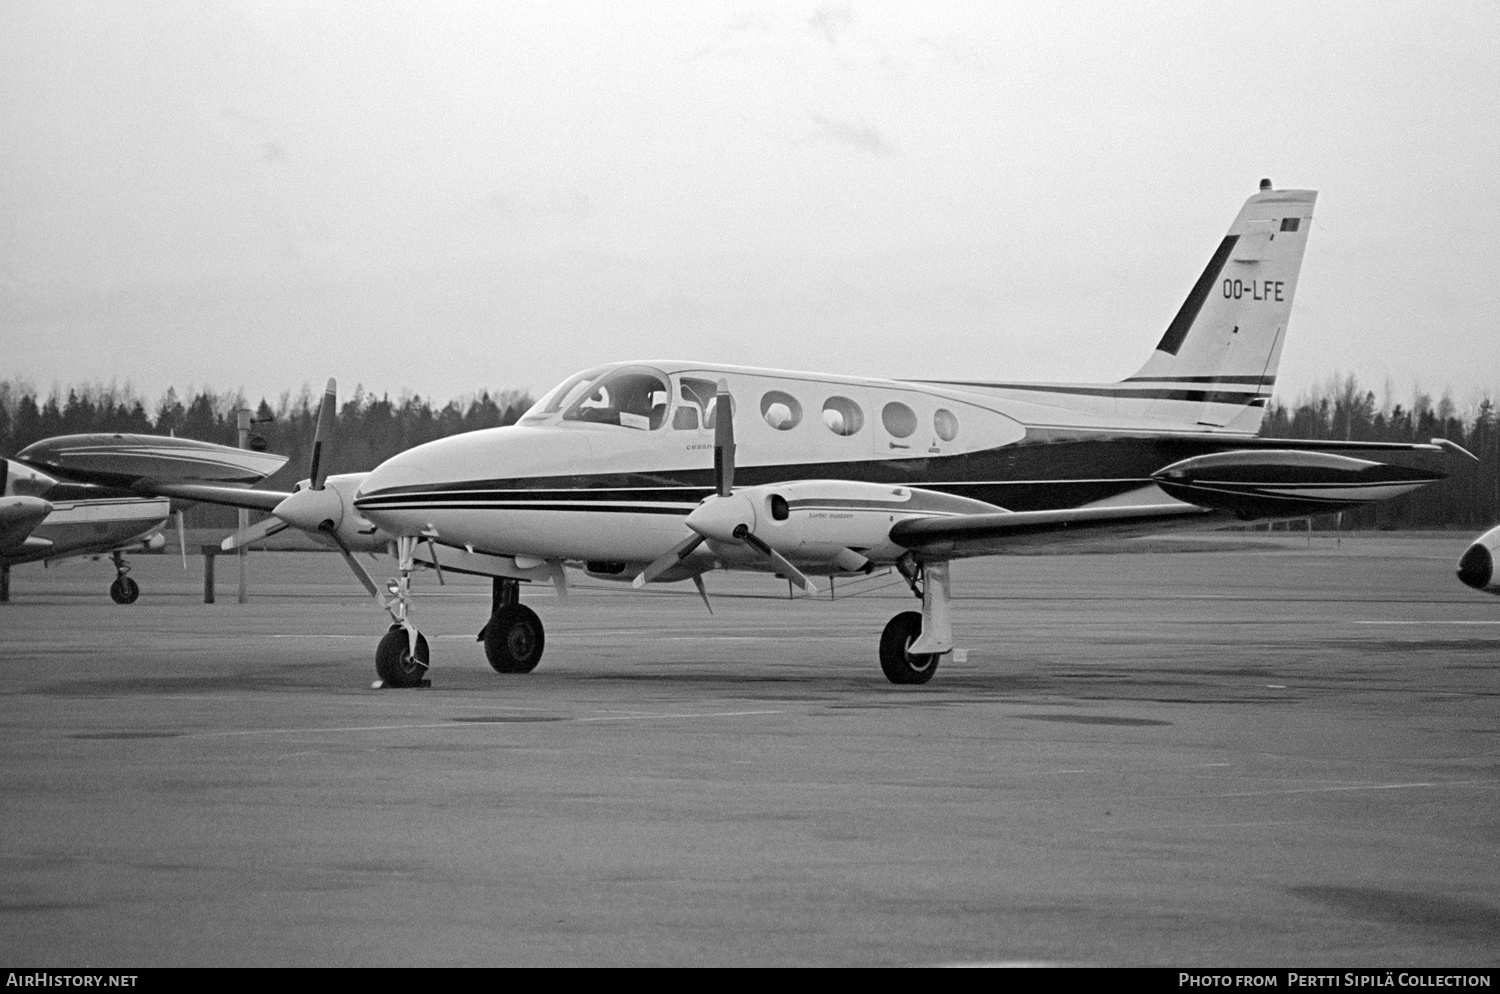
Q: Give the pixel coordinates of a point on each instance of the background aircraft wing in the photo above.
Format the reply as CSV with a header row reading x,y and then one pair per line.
x,y
155,466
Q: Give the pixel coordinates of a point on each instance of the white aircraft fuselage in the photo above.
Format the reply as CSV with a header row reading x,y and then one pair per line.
x,y
555,487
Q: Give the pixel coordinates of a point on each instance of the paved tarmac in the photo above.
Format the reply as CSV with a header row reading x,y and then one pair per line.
x,y
1278,752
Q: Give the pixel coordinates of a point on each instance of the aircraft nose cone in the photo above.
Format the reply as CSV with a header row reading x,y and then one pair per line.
x,y
718,517
1477,567
308,509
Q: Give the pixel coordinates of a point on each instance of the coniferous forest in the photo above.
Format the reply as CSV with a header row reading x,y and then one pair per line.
x,y
370,429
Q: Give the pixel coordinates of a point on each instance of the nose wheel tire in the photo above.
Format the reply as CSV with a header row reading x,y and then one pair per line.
x,y
514,639
124,590
394,661
899,665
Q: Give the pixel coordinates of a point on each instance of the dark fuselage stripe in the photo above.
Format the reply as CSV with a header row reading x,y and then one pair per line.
x,y
1240,397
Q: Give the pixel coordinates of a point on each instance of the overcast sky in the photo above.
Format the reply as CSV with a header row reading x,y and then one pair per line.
x,y
448,197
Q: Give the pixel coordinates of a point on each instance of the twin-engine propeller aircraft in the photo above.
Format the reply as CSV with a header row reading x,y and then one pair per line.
x,y
815,475
81,495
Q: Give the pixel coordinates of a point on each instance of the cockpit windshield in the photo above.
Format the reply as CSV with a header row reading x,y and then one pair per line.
x,y
629,396
561,395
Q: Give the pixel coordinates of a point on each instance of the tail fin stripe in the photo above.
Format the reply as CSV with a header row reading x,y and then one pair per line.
x,y
1178,329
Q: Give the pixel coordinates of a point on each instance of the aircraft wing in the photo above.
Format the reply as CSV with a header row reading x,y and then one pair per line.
x,y
1249,483
208,493
964,535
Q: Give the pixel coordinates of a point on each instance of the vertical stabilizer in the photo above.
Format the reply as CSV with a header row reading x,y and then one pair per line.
x,y
1216,364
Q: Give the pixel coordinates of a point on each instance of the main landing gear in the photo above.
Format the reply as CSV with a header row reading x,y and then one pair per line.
x,y
124,590
913,642
513,637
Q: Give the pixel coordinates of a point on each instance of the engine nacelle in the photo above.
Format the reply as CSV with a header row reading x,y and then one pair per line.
x,y
1476,567
815,522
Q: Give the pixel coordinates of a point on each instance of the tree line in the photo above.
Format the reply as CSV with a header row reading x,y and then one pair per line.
x,y
370,429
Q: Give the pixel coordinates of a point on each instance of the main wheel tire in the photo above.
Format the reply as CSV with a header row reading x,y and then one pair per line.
x,y
514,639
394,662
124,590
899,665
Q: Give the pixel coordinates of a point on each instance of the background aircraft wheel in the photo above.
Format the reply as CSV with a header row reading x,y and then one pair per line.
x,y
124,590
394,662
514,639
899,665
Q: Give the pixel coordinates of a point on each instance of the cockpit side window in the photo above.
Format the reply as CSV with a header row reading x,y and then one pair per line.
x,y
703,394
630,396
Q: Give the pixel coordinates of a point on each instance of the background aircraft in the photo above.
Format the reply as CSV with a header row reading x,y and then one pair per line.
x,y
321,505
76,495
42,519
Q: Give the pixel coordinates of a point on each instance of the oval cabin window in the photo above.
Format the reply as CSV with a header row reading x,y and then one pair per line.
x,y
898,419
781,410
945,423
842,416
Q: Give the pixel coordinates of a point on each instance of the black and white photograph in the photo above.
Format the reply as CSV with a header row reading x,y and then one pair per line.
x,y
750,483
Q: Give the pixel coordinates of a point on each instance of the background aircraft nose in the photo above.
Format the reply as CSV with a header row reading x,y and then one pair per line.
x,y
1477,567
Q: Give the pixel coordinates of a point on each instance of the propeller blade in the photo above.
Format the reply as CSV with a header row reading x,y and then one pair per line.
x,y
783,567
182,538
724,440
255,533
702,591
851,562
359,571
667,560
326,412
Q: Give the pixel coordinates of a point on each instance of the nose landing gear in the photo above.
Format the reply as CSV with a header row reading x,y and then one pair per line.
x,y
401,658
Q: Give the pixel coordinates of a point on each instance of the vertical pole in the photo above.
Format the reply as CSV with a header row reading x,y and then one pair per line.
x,y
242,419
4,583
209,551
